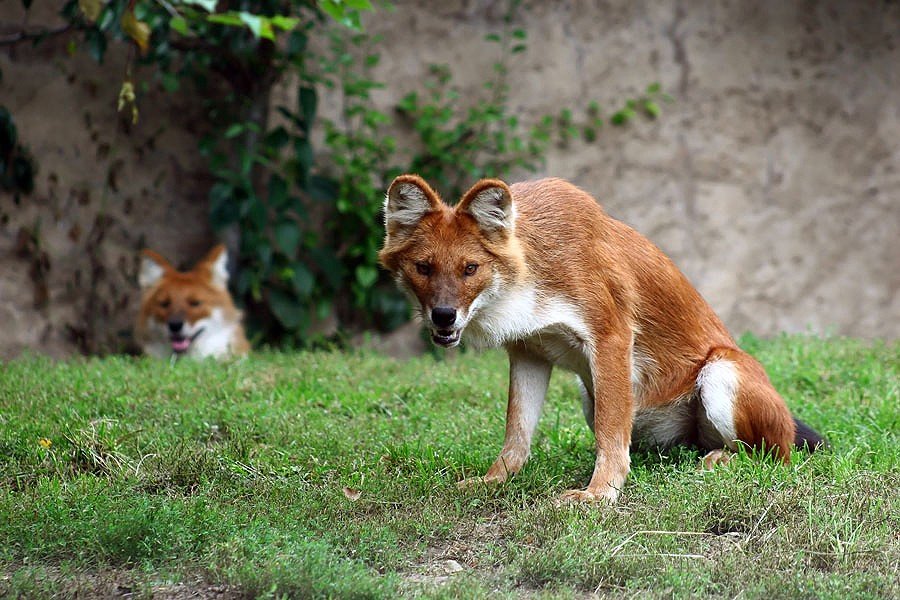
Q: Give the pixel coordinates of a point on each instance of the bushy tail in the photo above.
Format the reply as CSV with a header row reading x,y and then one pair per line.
x,y
807,438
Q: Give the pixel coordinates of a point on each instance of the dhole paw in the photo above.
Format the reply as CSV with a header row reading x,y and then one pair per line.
x,y
568,497
716,457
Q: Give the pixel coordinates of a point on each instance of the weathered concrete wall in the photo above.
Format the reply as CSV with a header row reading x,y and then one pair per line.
x,y
105,188
773,181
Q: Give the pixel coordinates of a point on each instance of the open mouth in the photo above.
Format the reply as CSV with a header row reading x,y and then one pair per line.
x,y
181,343
445,337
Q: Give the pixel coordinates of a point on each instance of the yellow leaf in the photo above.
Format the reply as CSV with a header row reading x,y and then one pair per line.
x,y
90,9
136,30
127,98
45,443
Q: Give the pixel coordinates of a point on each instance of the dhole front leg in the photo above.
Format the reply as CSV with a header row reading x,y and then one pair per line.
x,y
610,371
529,376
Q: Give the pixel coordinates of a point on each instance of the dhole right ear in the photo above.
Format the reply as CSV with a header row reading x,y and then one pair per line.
x,y
408,200
153,267
490,203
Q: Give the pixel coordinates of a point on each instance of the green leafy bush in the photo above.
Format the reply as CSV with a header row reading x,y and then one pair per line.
x,y
305,223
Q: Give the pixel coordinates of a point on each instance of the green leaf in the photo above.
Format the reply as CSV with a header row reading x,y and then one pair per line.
x,y
296,43
303,154
366,275
654,88
287,236
302,280
228,18
96,43
277,138
253,22
287,309
332,9
306,101
180,25
622,117
256,216
170,82
222,211
234,130
342,13
283,22
207,5
329,266
652,108
278,192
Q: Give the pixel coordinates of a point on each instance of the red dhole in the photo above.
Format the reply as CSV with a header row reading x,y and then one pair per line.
x,y
540,269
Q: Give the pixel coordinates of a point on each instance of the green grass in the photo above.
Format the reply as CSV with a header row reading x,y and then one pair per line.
x,y
192,477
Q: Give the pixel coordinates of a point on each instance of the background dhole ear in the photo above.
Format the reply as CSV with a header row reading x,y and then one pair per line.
x,y
489,202
408,200
153,267
216,262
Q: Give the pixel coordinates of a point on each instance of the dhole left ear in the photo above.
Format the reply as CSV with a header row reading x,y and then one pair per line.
x,y
408,200
153,267
216,262
489,202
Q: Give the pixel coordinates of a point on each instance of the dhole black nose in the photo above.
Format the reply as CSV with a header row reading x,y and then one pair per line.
x,y
175,325
443,316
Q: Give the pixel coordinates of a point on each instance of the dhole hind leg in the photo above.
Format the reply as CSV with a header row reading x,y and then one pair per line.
x,y
739,405
529,377
587,402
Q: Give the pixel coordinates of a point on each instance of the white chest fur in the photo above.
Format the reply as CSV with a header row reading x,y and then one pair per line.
x,y
550,326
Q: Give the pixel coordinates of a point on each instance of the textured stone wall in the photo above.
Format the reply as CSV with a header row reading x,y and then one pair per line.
x,y
773,180
105,188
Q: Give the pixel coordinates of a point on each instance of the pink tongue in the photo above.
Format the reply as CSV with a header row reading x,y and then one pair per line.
x,y
180,345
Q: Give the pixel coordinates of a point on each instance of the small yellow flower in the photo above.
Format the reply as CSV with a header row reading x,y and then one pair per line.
x,y
45,443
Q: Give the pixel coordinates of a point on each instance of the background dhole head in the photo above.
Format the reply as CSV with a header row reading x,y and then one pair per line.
x,y
448,256
190,295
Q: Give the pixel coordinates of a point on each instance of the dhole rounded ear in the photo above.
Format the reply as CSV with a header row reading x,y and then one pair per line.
x,y
153,267
408,199
216,262
490,203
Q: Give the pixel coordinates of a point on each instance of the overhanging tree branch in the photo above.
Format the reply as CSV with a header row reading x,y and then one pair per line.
x,y
11,36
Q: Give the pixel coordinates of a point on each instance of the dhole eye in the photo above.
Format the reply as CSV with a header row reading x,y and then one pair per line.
x,y
165,303
470,269
194,302
423,269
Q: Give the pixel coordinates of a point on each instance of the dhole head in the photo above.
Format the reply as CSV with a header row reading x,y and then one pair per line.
x,y
452,260
178,306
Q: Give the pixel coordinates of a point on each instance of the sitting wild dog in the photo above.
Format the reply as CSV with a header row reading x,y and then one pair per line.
x,y
188,313
541,270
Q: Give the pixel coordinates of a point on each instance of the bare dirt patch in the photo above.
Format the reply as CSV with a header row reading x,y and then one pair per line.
x,y
458,554
44,581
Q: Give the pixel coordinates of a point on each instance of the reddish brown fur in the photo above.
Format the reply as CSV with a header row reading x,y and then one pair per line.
x,y
761,416
631,297
188,295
